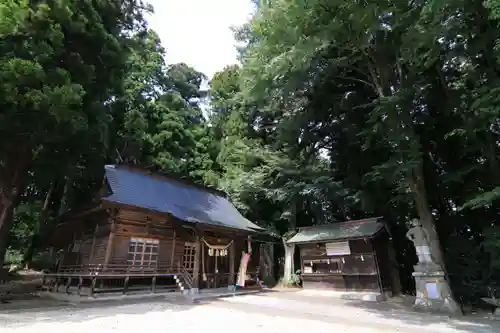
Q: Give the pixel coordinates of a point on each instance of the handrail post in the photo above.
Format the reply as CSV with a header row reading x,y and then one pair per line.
x,y
92,287
80,283
125,285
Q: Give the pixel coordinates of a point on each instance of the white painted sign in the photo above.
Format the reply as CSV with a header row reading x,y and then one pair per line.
x,y
338,248
144,240
432,290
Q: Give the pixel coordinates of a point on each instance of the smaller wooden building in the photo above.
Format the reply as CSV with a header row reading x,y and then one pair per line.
x,y
353,256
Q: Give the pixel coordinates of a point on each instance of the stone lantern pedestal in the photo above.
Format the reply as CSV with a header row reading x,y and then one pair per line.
x,y
433,293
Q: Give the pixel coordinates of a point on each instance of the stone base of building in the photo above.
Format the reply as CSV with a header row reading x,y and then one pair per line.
x,y
433,293
192,291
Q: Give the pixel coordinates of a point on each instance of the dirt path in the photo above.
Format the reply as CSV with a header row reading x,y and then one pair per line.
x,y
271,313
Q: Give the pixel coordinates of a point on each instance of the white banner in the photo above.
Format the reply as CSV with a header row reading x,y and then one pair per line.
x,y
338,248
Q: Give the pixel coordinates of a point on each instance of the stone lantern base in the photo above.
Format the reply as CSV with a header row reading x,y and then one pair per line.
x,y
433,293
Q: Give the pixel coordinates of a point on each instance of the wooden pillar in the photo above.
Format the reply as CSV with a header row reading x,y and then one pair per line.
x,y
93,244
80,284
92,286
68,284
125,285
109,245
232,257
196,270
172,255
375,258
56,286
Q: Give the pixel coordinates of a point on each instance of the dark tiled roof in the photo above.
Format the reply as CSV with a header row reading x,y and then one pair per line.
x,y
189,203
338,231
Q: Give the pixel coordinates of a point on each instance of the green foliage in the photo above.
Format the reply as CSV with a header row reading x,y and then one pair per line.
x,y
163,126
363,109
84,84
27,219
14,258
294,281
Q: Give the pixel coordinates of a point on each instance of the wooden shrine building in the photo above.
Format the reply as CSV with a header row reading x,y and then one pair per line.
x,y
153,231
353,256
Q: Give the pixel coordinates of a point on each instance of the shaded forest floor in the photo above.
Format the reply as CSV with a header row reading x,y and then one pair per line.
x,y
19,285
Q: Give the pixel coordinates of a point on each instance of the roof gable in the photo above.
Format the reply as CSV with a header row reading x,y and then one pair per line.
x,y
338,231
186,202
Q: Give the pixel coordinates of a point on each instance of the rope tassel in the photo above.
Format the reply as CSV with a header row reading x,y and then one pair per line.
x,y
217,250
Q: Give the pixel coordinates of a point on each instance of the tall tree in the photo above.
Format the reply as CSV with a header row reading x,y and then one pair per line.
x,y
379,46
61,61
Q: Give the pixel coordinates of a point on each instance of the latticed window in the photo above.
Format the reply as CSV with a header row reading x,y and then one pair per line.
x,y
143,252
188,258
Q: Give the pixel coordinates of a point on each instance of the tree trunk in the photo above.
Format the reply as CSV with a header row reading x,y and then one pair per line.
x,y
428,223
289,262
290,249
425,213
395,277
42,224
28,254
63,207
6,209
11,186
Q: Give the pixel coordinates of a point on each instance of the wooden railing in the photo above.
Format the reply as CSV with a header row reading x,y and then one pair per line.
x,y
187,277
112,270
66,275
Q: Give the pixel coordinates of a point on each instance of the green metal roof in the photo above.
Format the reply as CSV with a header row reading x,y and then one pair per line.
x,y
337,231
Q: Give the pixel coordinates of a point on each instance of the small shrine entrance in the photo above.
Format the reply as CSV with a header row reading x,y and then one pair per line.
x,y
217,262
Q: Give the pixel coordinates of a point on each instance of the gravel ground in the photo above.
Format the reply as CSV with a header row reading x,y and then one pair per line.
x,y
270,313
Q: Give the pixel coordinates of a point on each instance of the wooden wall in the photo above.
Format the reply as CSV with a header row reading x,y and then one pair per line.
x,y
356,272
90,231
130,223
109,242
99,250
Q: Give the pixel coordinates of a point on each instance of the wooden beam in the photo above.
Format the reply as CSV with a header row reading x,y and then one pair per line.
x,y
154,225
93,243
375,257
196,269
139,235
172,255
232,258
70,215
109,245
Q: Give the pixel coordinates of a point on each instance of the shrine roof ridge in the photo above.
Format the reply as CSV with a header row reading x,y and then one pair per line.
x,y
135,187
364,228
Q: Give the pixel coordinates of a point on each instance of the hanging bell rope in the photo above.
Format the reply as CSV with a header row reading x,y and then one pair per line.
x,y
217,250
